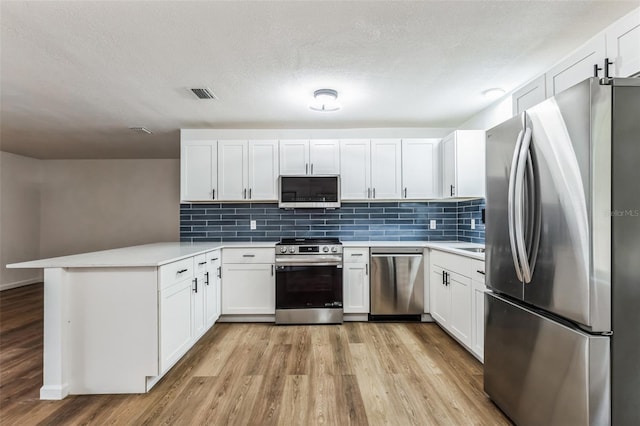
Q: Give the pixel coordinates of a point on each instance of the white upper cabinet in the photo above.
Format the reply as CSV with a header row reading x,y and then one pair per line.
x,y
420,168
233,170
248,170
529,95
463,164
294,157
263,170
386,169
304,157
324,157
355,169
198,170
623,45
577,66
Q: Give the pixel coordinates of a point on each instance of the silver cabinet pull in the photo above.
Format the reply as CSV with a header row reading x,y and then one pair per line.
x,y
248,255
306,168
356,254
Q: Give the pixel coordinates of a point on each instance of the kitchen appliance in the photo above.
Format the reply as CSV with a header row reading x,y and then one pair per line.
x,y
309,281
397,283
562,331
317,191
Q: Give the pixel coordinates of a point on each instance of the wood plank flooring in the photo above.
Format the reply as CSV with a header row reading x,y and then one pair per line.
x,y
261,374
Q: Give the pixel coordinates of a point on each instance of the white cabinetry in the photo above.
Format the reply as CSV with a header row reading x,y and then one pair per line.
x,y
304,157
463,168
248,282
576,67
355,169
198,322
386,169
477,308
198,170
248,170
212,287
355,281
420,168
175,332
623,45
457,298
527,96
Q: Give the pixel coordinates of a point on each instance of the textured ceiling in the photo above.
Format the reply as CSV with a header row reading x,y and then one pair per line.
x,y
76,75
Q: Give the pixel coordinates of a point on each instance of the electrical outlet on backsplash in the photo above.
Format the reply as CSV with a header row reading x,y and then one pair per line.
x,y
392,221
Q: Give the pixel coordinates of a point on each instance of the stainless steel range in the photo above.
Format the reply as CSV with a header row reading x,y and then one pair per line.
x,y
309,281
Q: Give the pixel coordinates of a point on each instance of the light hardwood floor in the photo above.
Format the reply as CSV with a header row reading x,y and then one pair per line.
x,y
261,374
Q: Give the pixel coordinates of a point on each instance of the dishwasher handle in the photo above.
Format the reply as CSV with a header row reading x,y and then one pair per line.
x,y
397,255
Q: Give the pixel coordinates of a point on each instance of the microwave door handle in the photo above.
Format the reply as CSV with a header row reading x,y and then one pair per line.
x,y
519,207
510,205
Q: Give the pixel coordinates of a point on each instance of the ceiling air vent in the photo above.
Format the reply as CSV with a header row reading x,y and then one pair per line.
x,y
141,130
204,93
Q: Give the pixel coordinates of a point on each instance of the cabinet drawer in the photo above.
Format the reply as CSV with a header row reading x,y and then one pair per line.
x,y
200,264
477,270
176,271
452,262
249,255
359,255
212,256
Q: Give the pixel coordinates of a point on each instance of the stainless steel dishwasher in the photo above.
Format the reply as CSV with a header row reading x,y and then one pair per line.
x,y
397,283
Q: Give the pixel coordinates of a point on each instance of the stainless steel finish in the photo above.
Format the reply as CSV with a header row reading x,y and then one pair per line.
x,y
519,207
397,281
541,372
295,250
296,261
511,202
500,256
310,204
309,316
625,223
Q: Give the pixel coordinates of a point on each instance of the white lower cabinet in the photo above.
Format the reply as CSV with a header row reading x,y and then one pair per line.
x,y
248,282
212,287
355,281
175,322
455,302
477,308
198,300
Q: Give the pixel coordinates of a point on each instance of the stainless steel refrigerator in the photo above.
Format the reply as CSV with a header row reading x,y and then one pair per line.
x,y
562,342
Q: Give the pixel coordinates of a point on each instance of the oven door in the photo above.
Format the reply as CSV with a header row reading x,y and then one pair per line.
x,y
307,286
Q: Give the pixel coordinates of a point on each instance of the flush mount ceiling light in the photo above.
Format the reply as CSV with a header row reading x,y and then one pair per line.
x,y
493,93
325,100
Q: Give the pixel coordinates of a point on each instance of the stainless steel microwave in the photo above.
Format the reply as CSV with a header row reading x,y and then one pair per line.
x,y
318,191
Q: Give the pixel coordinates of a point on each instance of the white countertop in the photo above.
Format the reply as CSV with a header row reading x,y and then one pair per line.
x,y
151,255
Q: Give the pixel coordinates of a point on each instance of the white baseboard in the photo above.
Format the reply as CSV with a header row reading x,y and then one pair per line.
x,y
21,283
54,392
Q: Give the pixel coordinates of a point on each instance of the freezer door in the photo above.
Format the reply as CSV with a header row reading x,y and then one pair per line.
x,y
541,372
571,148
502,268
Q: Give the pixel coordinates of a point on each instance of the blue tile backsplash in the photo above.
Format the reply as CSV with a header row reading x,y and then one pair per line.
x,y
393,221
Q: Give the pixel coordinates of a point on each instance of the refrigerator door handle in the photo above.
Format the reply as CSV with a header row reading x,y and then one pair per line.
x,y
534,217
519,207
510,205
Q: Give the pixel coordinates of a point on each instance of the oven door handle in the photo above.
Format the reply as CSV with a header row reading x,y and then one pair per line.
x,y
307,263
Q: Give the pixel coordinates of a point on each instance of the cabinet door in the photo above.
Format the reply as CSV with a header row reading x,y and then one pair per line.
x,y
263,170
529,95
386,169
248,289
355,169
420,168
440,302
623,45
577,67
469,166
175,323
460,315
212,288
324,157
356,288
198,308
477,313
232,170
198,170
294,157
449,166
